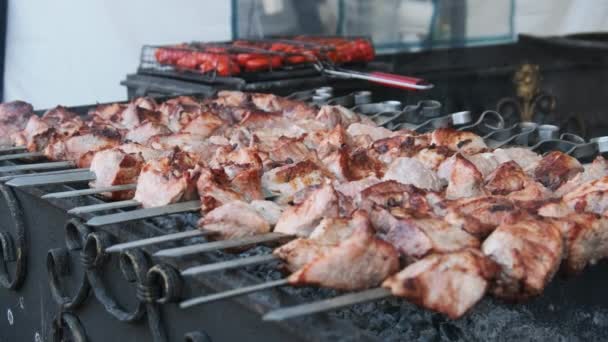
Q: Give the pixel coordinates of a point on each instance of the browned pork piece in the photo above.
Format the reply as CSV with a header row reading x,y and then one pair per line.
x,y
528,253
359,261
416,237
330,232
56,123
347,164
465,180
410,171
432,157
301,219
458,141
591,196
141,133
481,215
121,165
82,146
555,169
286,180
585,240
13,118
510,179
390,194
524,157
450,283
239,219
596,170
168,180
292,109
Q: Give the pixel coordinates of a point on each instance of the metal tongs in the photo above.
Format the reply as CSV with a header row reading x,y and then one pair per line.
x,y
391,80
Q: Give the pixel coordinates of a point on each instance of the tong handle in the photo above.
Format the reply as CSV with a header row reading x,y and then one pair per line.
x,y
399,81
391,80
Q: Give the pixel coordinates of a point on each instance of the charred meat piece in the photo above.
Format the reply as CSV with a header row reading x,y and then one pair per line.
x,y
555,169
591,196
449,283
348,165
465,180
301,219
13,118
481,215
133,116
56,123
374,132
214,189
286,180
331,116
115,167
507,178
524,157
410,171
167,180
585,240
202,124
234,220
528,253
353,188
81,147
143,132
291,109
432,157
361,261
596,170
458,141
390,194
324,142
415,238
330,232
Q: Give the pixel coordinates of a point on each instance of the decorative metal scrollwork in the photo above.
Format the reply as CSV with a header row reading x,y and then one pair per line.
x,y
58,266
531,101
197,336
154,285
13,249
67,327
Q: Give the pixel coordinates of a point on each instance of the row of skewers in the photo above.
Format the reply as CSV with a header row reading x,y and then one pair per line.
x,y
438,218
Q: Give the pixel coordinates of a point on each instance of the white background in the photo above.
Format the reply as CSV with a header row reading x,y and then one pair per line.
x,y
75,52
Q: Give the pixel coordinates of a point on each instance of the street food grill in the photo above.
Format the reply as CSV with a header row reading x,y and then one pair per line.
x,y
439,218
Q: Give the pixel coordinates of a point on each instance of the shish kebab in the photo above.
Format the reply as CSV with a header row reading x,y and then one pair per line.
x,y
458,161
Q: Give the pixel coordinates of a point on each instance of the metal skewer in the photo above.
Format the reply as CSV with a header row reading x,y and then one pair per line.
x,y
328,304
226,265
59,172
21,155
38,166
92,191
140,214
219,245
121,247
12,149
73,177
103,206
232,293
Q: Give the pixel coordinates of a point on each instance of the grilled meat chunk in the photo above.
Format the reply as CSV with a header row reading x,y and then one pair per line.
x,y
555,169
361,261
115,167
450,283
390,194
347,165
214,189
144,131
330,232
465,180
415,237
13,118
286,180
524,157
481,215
81,147
235,219
528,252
507,178
458,141
374,132
168,180
596,170
585,240
301,219
331,116
411,171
